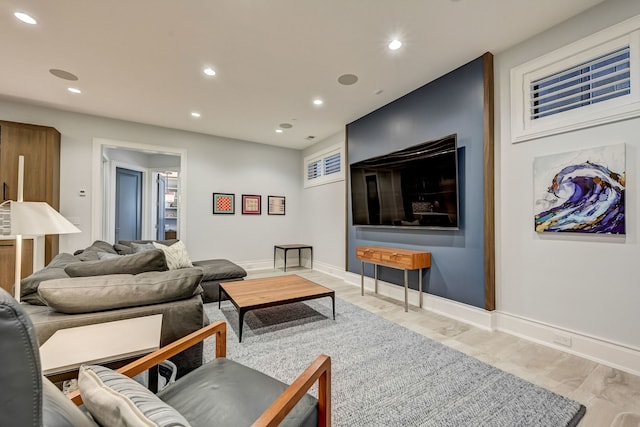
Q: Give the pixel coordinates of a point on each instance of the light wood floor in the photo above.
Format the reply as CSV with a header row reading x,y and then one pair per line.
x,y
612,397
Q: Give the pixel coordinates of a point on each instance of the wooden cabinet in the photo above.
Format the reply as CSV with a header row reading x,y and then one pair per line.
x,y
8,262
404,259
40,146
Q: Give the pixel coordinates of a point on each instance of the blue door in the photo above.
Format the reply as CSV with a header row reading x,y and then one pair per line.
x,y
128,219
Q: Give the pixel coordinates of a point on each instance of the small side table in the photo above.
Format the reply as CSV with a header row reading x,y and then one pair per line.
x,y
286,248
100,343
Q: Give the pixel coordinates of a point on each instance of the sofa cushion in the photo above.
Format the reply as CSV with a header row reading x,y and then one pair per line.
x,y
126,264
218,391
219,269
114,399
123,247
54,270
97,293
91,253
176,254
141,247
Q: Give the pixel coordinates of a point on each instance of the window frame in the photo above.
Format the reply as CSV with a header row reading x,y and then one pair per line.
x,y
321,156
523,128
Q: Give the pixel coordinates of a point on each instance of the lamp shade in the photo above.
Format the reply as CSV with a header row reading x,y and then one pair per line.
x,y
38,218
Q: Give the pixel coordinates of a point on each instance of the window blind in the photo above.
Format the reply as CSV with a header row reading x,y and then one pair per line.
x,y
599,79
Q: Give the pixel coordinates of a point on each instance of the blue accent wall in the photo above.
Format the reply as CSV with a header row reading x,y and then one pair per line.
x,y
454,103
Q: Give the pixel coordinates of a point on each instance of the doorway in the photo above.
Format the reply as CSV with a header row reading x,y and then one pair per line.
x,y
128,218
108,155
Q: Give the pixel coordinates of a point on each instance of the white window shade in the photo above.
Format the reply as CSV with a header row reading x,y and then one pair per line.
x,y
591,82
324,166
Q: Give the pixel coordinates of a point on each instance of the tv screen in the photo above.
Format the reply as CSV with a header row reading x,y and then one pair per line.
x,y
414,187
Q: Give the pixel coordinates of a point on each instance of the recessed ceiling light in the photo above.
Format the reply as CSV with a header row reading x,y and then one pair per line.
x,y
318,102
209,71
285,125
279,131
74,90
27,19
395,44
195,114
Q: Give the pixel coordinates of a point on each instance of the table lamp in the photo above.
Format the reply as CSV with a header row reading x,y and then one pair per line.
x,y
35,219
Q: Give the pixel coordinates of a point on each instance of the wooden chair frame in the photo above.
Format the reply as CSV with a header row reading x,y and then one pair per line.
x,y
319,370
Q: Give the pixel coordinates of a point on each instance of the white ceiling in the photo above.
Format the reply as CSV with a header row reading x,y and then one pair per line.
x,y
142,60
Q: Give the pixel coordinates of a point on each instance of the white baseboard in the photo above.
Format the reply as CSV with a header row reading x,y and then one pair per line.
x,y
463,312
597,349
600,350
329,269
255,265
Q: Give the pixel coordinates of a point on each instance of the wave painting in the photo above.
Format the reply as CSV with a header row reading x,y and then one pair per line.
x,y
581,191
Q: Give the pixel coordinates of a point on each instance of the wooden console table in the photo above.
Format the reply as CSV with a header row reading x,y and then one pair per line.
x,y
403,259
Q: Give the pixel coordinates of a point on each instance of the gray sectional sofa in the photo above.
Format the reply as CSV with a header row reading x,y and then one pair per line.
x,y
107,282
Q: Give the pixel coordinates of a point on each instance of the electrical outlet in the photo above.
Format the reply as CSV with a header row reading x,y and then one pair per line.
x,y
561,339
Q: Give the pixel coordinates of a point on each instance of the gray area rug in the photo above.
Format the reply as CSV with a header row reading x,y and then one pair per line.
x,y
384,374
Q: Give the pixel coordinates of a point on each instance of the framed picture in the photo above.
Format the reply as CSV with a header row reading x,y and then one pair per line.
x,y
224,203
276,205
251,204
581,191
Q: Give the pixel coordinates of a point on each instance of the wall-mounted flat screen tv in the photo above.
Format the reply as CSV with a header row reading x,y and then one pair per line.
x,y
414,187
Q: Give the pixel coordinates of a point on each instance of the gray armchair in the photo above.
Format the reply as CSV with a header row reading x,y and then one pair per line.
x,y
221,392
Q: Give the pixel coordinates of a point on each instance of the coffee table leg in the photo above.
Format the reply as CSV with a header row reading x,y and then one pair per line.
x,y
240,323
333,302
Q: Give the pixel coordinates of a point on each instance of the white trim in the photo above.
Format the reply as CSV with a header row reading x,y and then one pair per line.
x,y
600,350
478,317
523,129
321,155
97,189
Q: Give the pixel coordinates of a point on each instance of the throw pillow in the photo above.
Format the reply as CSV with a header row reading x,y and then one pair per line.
x,y
129,264
141,247
90,294
176,254
107,255
114,399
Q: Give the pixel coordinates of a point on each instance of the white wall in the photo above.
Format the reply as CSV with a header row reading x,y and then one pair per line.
x,y
584,284
323,214
214,164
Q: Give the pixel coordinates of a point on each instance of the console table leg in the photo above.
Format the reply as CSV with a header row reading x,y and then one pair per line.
x,y
406,290
362,278
375,273
420,287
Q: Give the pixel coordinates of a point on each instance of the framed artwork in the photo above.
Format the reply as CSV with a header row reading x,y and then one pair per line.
x,y
581,191
224,203
251,204
276,205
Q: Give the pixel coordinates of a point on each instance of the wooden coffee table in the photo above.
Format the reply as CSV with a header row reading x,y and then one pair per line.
x,y
251,294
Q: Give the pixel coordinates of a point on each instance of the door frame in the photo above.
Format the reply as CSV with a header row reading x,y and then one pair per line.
x,y
103,197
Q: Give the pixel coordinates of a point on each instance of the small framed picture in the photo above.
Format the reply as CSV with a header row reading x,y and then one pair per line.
x,y
224,203
251,204
276,205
